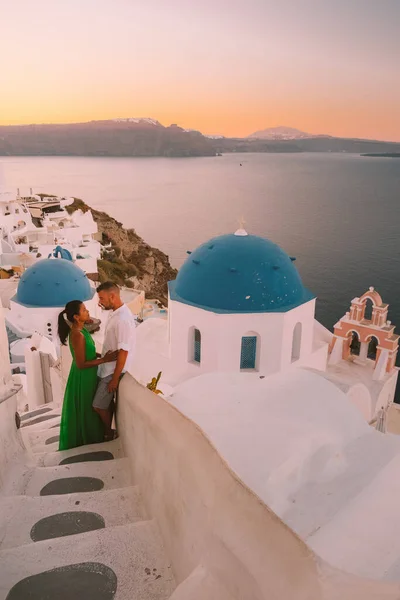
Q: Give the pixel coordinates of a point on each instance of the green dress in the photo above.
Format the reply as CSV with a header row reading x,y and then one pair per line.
x,y
80,424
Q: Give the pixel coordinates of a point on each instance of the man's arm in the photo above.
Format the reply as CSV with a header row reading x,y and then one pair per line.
x,y
124,345
119,367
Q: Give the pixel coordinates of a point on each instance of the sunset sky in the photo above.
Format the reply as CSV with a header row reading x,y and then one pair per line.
x,y
226,67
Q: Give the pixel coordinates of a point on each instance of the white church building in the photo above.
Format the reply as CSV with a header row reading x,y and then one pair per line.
x,y
238,305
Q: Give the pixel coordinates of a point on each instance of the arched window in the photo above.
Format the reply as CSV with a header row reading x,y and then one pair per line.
x,y
296,342
368,309
196,346
372,348
248,352
355,344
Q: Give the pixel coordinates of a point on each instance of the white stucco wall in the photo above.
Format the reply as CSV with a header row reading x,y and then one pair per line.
x,y
34,376
223,541
386,395
5,370
298,441
11,445
356,380
221,336
10,441
8,288
359,395
88,265
168,346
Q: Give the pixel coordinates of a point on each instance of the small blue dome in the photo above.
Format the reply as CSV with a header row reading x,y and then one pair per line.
x,y
53,282
239,274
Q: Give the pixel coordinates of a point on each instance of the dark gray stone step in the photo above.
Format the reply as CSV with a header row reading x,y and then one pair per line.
x,y
66,523
34,413
83,581
87,457
39,420
72,485
51,440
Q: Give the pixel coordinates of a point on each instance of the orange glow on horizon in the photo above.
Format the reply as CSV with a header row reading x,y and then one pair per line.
x,y
355,124
220,66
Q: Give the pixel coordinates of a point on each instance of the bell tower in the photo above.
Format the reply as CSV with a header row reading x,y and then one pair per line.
x,y
360,339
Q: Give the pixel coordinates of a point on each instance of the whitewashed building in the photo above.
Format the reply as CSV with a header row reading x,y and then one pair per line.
x,y
238,305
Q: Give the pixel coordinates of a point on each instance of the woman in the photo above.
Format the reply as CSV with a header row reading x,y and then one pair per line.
x,y
80,424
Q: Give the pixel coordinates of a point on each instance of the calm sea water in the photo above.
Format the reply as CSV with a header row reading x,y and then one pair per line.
x,y
337,213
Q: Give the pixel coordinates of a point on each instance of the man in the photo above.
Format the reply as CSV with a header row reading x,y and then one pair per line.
x,y
120,335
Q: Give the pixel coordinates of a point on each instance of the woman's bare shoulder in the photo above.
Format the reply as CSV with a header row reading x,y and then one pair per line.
x,y
76,335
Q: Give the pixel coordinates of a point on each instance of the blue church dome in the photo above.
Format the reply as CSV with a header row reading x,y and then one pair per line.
x,y
239,273
53,282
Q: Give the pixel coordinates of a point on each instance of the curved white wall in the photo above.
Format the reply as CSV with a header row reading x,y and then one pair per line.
x,y
11,445
387,393
360,396
10,441
223,542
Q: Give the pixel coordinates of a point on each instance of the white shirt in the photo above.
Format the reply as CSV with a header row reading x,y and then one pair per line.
x,y
120,334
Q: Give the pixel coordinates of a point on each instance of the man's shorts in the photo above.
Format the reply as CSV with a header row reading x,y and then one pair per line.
x,y
103,398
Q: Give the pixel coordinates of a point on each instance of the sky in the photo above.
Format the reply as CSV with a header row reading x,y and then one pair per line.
x,y
228,67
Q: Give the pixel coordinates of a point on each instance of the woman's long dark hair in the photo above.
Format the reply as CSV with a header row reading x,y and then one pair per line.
x,y
70,311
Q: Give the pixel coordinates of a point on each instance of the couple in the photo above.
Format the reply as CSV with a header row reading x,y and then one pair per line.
x,y
89,395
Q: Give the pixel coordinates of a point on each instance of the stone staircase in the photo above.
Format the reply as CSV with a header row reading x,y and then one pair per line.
x,y
73,526
12,337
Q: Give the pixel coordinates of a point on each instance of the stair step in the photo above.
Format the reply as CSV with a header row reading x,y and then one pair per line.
x,y
40,419
35,436
35,413
19,514
52,440
89,580
64,524
48,458
133,552
76,528
88,457
109,474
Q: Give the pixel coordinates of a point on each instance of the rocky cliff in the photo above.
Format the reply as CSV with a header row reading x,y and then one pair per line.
x,y
127,259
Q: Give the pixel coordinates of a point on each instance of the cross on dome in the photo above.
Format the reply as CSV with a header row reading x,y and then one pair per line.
x,y
241,231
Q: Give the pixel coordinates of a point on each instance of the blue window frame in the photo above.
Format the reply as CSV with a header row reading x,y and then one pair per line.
x,y
248,352
197,346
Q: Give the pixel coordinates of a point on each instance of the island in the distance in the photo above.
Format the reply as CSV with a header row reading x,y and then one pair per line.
x,y
383,154
149,138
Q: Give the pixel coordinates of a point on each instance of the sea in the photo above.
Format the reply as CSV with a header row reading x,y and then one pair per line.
x,y
338,214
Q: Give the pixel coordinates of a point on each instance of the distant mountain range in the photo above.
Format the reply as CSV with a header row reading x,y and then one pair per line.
x,y
117,137
148,137
283,133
